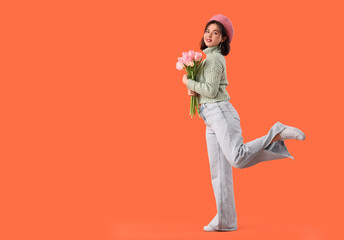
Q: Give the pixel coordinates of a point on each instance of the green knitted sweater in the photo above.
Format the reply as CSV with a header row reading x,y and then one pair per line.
x,y
211,79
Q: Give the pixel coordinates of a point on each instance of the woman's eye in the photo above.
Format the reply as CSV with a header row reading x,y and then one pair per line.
x,y
208,32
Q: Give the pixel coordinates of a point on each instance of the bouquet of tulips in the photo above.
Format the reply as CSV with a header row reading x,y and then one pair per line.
x,y
191,62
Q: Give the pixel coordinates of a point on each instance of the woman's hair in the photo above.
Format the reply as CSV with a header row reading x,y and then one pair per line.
x,y
225,46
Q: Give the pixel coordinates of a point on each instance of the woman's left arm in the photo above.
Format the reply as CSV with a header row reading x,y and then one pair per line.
x,y
212,74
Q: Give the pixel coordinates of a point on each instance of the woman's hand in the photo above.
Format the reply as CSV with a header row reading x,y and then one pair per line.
x,y
192,93
185,79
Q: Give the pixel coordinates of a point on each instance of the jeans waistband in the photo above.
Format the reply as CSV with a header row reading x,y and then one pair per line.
x,y
205,104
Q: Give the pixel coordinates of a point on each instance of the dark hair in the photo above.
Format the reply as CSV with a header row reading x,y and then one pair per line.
x,y
224,46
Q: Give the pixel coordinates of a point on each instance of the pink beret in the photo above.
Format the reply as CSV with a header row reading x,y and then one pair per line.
x,y
226,23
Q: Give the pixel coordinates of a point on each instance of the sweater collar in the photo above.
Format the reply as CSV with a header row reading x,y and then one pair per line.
x,y
210,50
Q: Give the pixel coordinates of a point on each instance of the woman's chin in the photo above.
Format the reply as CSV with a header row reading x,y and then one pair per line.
x,y
209,44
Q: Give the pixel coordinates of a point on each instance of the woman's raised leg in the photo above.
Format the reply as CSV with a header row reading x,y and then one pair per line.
x,y
224,121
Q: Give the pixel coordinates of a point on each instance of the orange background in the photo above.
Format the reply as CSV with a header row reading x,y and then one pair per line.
x,y
97,143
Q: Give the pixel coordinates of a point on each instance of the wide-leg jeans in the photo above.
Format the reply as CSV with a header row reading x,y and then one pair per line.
x,y
226,149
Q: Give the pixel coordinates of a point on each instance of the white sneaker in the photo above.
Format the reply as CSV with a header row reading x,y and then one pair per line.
x,y
208,229
292,133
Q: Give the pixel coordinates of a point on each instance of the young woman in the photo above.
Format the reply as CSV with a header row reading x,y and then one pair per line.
x,y
223,131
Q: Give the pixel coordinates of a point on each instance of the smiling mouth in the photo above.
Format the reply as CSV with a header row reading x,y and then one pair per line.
x,y
208,40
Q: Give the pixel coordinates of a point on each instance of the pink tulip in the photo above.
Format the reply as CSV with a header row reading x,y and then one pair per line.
x,y
180,66
187,59
198,56
184,54
191,54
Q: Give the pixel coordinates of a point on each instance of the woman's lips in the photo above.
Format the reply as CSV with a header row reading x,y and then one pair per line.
x,y
208,40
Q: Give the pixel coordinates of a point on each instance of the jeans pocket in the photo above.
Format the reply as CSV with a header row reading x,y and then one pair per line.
x,y
213,111
201,108
227,107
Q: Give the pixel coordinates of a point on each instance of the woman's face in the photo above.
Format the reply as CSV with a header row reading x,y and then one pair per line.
x,y
212,36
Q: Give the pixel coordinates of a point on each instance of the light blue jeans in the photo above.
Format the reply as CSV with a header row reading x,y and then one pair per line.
x,y
226,149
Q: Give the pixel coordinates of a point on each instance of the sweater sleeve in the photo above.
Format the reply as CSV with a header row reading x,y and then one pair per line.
x,y
212,73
